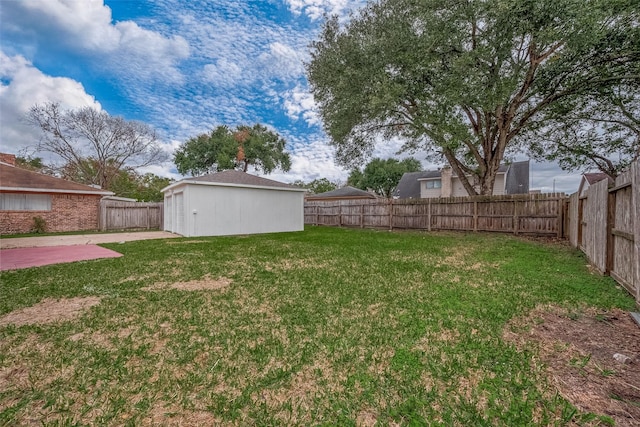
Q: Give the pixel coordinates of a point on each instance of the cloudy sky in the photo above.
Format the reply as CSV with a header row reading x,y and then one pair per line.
x,y
183,67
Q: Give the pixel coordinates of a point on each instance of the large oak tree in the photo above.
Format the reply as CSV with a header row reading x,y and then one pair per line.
x,y
383,176
225,148
468,81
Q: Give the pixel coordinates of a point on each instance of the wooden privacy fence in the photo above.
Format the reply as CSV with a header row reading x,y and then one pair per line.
x,y
116,215
538,214
605,224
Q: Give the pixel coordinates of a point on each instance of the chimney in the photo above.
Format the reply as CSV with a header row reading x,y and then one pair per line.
x,y
445,176
8,158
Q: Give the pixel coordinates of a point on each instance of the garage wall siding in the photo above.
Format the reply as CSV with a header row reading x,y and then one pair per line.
x,y
238,210
69,212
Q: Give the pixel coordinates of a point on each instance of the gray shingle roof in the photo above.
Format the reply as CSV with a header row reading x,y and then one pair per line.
x,y
409,186
347,191
594,177
239,178
517,180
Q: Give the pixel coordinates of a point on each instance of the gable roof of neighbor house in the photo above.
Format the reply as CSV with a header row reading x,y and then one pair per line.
x,y
234,178
13,178
594,177
409,186
517,180
346,192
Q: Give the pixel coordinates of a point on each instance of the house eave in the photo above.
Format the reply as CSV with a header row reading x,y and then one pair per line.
x,y
54,190
225,184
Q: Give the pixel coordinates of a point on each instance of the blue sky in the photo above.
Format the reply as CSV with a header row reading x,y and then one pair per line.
x,y
183,67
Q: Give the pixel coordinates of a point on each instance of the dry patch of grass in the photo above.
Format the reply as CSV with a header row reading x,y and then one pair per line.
x,y
293,263
205,284
163,414
308,388
50,310
578,350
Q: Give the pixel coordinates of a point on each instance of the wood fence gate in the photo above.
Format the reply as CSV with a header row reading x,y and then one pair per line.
x,y
116,215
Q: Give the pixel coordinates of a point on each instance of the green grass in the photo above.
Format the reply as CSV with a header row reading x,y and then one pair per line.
x,y
328,326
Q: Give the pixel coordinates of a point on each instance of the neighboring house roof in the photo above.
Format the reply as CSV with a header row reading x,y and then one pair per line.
x,y
13,178
234,178
517,180
347,192
594,177
409,186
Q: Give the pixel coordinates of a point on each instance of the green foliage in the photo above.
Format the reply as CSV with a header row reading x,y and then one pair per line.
x,y
144,188
383,176
31,163
467,81
317,186
588,134
39,225
220,150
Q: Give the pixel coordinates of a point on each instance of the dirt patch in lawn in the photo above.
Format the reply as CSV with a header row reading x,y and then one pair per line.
x,y
582,354
49,311
204,284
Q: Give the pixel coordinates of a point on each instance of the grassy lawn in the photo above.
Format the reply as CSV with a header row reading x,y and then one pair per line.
x,y
327,326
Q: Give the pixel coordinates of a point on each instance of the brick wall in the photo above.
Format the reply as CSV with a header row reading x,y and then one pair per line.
x,y
69,212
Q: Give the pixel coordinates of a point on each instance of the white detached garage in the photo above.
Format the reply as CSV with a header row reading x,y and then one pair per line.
x,y
232,202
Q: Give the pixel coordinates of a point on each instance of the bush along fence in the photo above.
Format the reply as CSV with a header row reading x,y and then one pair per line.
x,y
604,223
116,215
534,214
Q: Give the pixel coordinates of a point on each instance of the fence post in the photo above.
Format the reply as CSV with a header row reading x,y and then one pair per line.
x,y
475,216
362,214
516,217
429,215
560,219
390,214
317,215
611,219
635,214
103,215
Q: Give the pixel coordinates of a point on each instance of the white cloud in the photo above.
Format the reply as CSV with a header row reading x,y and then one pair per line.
x,y
298,103
314,9
224,73
28,86
87,25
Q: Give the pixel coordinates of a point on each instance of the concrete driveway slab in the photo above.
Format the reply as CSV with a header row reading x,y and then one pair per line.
x,y
82,239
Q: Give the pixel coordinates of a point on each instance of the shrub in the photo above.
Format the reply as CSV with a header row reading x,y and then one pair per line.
x,y
39,225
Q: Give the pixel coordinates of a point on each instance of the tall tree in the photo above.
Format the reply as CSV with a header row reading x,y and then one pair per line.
x,y
383,176
95,143
466,80
317,186
601,134
238,148
142,187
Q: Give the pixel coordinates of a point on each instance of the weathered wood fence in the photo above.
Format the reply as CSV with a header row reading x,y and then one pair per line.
x,y
116,215
537,214
605,224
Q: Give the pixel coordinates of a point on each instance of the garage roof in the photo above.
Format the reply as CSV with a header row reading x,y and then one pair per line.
x,y
235,178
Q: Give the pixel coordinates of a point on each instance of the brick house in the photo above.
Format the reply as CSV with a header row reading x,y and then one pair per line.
x,y
62,204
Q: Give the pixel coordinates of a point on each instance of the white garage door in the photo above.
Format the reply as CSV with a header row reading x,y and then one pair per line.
x,y
179,204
